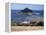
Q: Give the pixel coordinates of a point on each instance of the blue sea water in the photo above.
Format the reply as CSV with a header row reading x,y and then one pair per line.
x,y
15,17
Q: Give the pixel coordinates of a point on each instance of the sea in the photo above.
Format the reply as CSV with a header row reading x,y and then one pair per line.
x,y
17,17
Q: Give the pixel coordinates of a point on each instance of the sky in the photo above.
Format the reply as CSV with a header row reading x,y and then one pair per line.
x,y
23,6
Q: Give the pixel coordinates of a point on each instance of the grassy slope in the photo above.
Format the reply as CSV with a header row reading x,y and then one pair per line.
x,y
26,28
